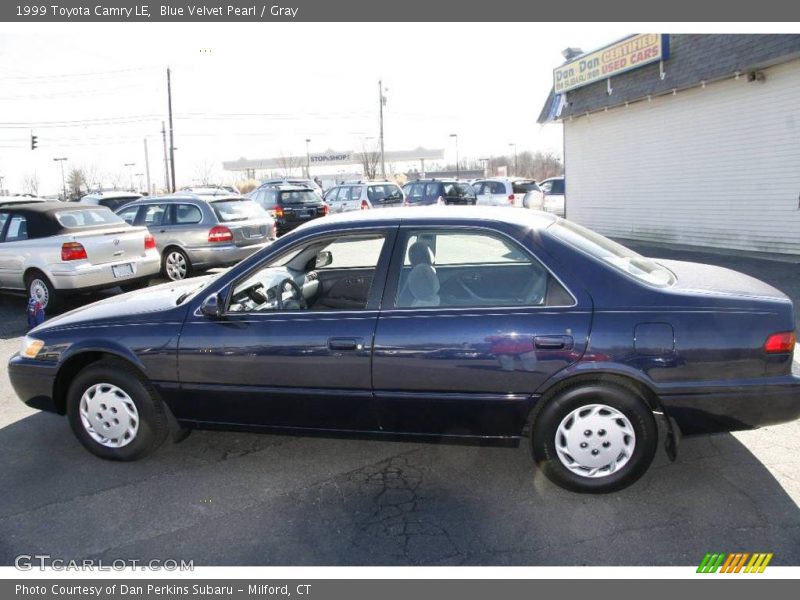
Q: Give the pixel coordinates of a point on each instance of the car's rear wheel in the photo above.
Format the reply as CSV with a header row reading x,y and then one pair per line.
x,y
38,286
594,438
114,412
176,265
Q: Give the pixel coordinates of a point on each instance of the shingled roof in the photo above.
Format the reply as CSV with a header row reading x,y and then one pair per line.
x,y
693,58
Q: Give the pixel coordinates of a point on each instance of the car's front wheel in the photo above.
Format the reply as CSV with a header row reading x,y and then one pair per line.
x,y
114,412
594,438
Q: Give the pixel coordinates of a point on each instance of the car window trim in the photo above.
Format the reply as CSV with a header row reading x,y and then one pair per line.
x,y
398,258
376,289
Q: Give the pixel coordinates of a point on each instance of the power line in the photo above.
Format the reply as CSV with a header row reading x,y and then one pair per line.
x,y
68,75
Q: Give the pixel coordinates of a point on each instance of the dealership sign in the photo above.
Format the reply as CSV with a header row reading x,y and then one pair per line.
x,y
630,53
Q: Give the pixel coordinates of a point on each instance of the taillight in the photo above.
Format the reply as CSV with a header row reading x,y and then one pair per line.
x,y
149,242
779,343
511,198
220,234
364,205
72,251
325,209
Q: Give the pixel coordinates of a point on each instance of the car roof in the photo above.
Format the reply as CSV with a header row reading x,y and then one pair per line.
x,y
436,180
50,206
552,178
20,200
186,196
111,194
530,219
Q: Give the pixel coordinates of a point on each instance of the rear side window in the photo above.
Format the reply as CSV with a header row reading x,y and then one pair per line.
x,y
433,190
495,187
555,187
416,190
187,214
17,229
237,210
383,192
87,217
330,195
154,214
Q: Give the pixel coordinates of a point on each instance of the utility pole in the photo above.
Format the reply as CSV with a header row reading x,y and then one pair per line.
x,y
458,170
308,159
130,174
516,170
171,132
166,160
147,166
63,181
381,103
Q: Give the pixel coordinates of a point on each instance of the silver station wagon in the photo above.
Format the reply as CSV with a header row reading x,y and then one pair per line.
x,y
195,233
50,249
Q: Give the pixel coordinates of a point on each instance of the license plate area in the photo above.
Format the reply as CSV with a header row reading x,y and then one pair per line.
x,y
125,270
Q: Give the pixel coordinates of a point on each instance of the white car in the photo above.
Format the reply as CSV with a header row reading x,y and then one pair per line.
x,y
508,191
49,249
363,195
554,192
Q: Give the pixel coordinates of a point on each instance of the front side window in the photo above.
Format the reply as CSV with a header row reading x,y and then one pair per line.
x,y
611,253
326,273
472,269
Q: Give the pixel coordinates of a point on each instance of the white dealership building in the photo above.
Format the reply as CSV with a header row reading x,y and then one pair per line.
x,y
684,139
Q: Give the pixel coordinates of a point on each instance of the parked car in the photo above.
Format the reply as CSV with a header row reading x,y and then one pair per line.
x,y
195,233
51,249
506,191
438,191
290,205
363,195
459,324
112,200
554,194
210,190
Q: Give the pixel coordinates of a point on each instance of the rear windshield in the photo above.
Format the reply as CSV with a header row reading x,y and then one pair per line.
x,y
87,217
384,192
523,187
612,253
237,210
115,203
299,197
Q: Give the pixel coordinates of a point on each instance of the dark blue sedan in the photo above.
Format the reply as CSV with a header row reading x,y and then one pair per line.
x,y
439,323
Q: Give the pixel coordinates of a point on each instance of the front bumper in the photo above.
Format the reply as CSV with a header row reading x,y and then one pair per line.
x,y
33,381
713,409
222,255
87,276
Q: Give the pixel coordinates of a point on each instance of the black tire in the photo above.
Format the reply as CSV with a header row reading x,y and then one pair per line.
x,y
153,426
167,257
627,402
38,285
135,285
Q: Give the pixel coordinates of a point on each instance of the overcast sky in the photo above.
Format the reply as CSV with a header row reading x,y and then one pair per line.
x,y
259,90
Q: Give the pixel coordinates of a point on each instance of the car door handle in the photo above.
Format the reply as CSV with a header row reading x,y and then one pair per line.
x,y
553,342
345,344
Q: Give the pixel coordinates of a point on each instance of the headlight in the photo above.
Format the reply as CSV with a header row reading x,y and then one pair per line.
x,y
31,347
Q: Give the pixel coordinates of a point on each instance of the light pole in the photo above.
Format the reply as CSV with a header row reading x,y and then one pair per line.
x,y
485,162
516,172
381,104
458,170
308,159
63,181
130,173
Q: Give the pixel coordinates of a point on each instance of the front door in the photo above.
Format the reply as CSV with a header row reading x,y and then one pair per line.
x,y
472,325
294,346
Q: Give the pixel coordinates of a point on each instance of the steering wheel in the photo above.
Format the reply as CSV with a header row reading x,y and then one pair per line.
x,y
289,285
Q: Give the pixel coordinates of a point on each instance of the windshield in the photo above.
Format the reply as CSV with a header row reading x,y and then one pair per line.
x,y
237,210
612,253
299,197
88,217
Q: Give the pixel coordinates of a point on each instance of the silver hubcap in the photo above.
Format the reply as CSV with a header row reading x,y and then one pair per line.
x,y
595,440
109,415
176,266
39,291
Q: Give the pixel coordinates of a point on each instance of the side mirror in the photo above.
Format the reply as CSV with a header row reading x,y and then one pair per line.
x,y
212,307
324,258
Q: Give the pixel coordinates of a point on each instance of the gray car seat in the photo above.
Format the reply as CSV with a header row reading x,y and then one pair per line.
x,y
425,279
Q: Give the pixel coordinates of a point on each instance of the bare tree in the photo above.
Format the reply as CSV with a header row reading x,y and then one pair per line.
x,y
30,183
205,172
288,164
76,182
92,177
116,179
369,157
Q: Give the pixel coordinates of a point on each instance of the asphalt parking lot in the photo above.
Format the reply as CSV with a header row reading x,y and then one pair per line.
x,y
247,499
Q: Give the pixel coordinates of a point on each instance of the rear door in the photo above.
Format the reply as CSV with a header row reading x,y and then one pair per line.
x,y
462,344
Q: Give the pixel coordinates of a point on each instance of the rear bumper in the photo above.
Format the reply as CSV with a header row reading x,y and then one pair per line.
x,y
33,381
222,255
715,409
87,276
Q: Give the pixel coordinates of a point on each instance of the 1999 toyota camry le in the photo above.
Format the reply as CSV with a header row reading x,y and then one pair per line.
x,y
440,322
